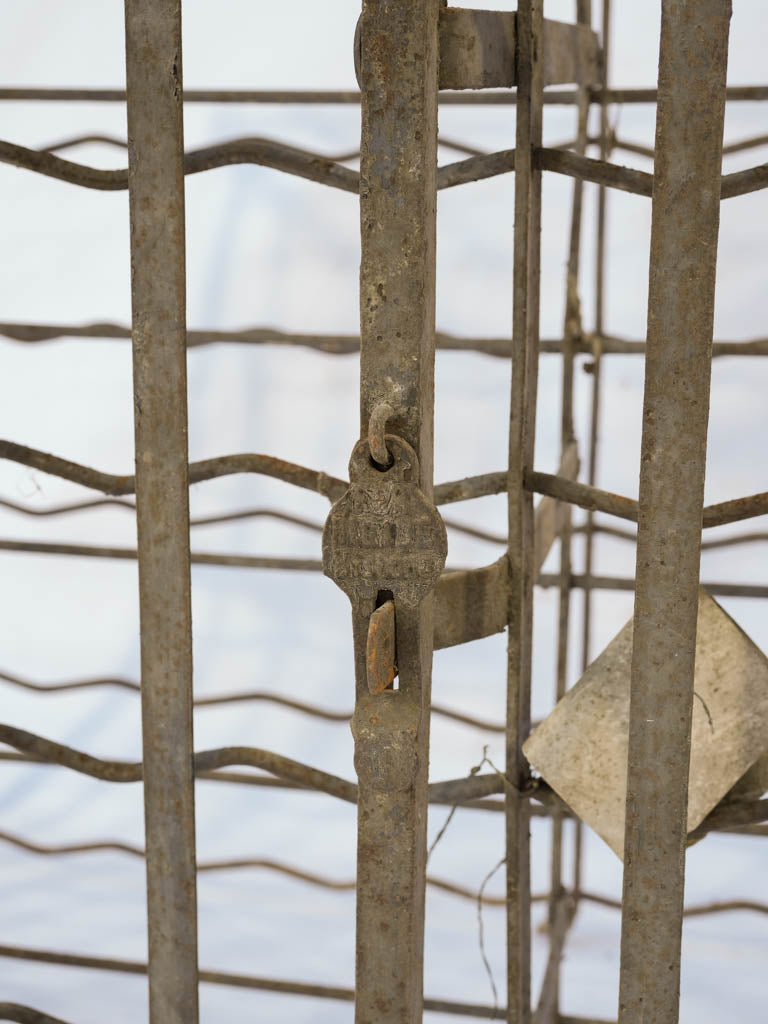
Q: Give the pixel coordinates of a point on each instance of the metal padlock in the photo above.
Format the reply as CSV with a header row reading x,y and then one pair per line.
x,y
384,534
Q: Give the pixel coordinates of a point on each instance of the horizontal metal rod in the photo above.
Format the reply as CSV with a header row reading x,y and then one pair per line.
x,y
627,179
753,142
472,1010
753,537
233,980
348,885
237,864
26,1015
236,698
734,93
579,582
480,486
440,793
112,140
318,168
210,520
583,495
349,344
733,818
207,469
595,500
610,344
732,513
129,554
697,910
222,517
262,152
333,344
612,504
600,172
731,815
50,752
226,465
123,554
207,760
631,147
582,1020
270,782
506,97
279,156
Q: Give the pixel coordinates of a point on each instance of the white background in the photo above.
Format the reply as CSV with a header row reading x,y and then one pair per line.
x,y
268,249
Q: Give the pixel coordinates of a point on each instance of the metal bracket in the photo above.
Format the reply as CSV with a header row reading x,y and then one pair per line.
x,y
472,603
478,50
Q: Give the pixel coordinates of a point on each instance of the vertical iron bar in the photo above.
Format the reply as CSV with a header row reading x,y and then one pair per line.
x,y
594,415
560,916
525,331
398,200
684,232
156,183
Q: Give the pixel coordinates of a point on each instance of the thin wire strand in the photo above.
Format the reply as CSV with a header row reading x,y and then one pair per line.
x,y
481,933
232,698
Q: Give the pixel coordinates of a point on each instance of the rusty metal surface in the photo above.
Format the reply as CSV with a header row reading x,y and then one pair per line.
x,y
558,486
321,169
472,603
684,233
377,435
470,792
477,49
347,344
246,981
158,292
206,469
520,552
380,654
397,620
571,54
384,535
398,185
561,97
326,171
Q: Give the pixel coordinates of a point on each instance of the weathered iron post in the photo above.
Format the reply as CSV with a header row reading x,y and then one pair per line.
x,y
156,186
686,215
398,200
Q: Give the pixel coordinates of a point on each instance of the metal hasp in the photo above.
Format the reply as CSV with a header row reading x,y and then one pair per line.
x,y
684,234
525,335
478,50
398,199
156,184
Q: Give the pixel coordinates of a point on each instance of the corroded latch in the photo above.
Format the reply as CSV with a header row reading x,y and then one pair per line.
x,y
384,541
478,51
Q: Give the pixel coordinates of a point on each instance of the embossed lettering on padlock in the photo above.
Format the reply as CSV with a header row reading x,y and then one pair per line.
x,y
384,534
